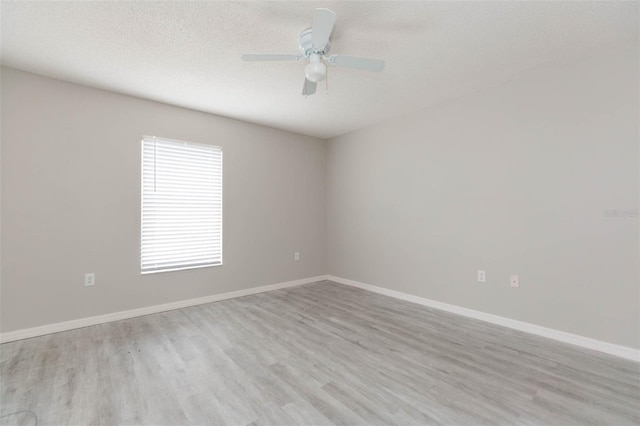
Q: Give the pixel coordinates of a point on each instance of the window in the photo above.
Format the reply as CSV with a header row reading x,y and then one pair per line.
x,y
181,205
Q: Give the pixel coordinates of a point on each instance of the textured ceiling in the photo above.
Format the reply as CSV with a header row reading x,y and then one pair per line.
x,y
188,53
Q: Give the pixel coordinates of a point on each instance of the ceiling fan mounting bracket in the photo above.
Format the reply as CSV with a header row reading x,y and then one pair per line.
x,y
306,47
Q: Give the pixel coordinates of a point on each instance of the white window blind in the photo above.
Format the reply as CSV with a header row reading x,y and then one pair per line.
x,y
181,205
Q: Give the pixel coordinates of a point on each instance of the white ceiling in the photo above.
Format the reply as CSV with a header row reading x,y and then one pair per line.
x,y
188,53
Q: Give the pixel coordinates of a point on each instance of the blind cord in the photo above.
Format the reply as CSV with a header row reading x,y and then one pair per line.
x,y
155,165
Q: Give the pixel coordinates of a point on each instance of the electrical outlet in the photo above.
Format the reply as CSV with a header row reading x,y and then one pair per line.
x,y
89,279
482,276
296,255
515,281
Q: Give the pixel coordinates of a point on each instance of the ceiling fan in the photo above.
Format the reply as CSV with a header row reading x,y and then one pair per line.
x,y
315,46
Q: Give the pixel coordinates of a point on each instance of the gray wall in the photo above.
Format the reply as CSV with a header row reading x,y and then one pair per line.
x,y
71,198
515,179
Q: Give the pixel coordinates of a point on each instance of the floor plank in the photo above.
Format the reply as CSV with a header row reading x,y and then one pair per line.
x,y
316,354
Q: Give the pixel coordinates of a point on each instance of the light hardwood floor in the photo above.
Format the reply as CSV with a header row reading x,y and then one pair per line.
x,y
315,354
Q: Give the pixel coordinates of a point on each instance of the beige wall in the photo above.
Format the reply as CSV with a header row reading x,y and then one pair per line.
x,y
71,199
511,180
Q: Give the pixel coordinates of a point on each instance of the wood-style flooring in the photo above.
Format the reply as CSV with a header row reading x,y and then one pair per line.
x,y
319,354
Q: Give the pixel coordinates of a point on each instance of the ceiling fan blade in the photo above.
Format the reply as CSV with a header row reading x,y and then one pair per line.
x,y
375,65
309,87
270,57
323,21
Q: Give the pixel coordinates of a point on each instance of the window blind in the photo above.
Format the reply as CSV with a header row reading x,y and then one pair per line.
x,y
181,205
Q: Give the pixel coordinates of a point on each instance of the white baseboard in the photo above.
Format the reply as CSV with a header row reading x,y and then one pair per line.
x,y
574,339
116,316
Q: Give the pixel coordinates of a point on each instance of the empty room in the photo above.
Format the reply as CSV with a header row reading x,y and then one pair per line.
x,y
319,213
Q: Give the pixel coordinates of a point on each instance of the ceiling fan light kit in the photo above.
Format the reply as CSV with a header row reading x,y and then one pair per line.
x,y
315,70
314,46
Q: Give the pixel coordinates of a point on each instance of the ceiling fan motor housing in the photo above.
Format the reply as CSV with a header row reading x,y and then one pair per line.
x,y
306,47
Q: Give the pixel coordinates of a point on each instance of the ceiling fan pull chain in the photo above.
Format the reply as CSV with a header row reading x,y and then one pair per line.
x,y
326,80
